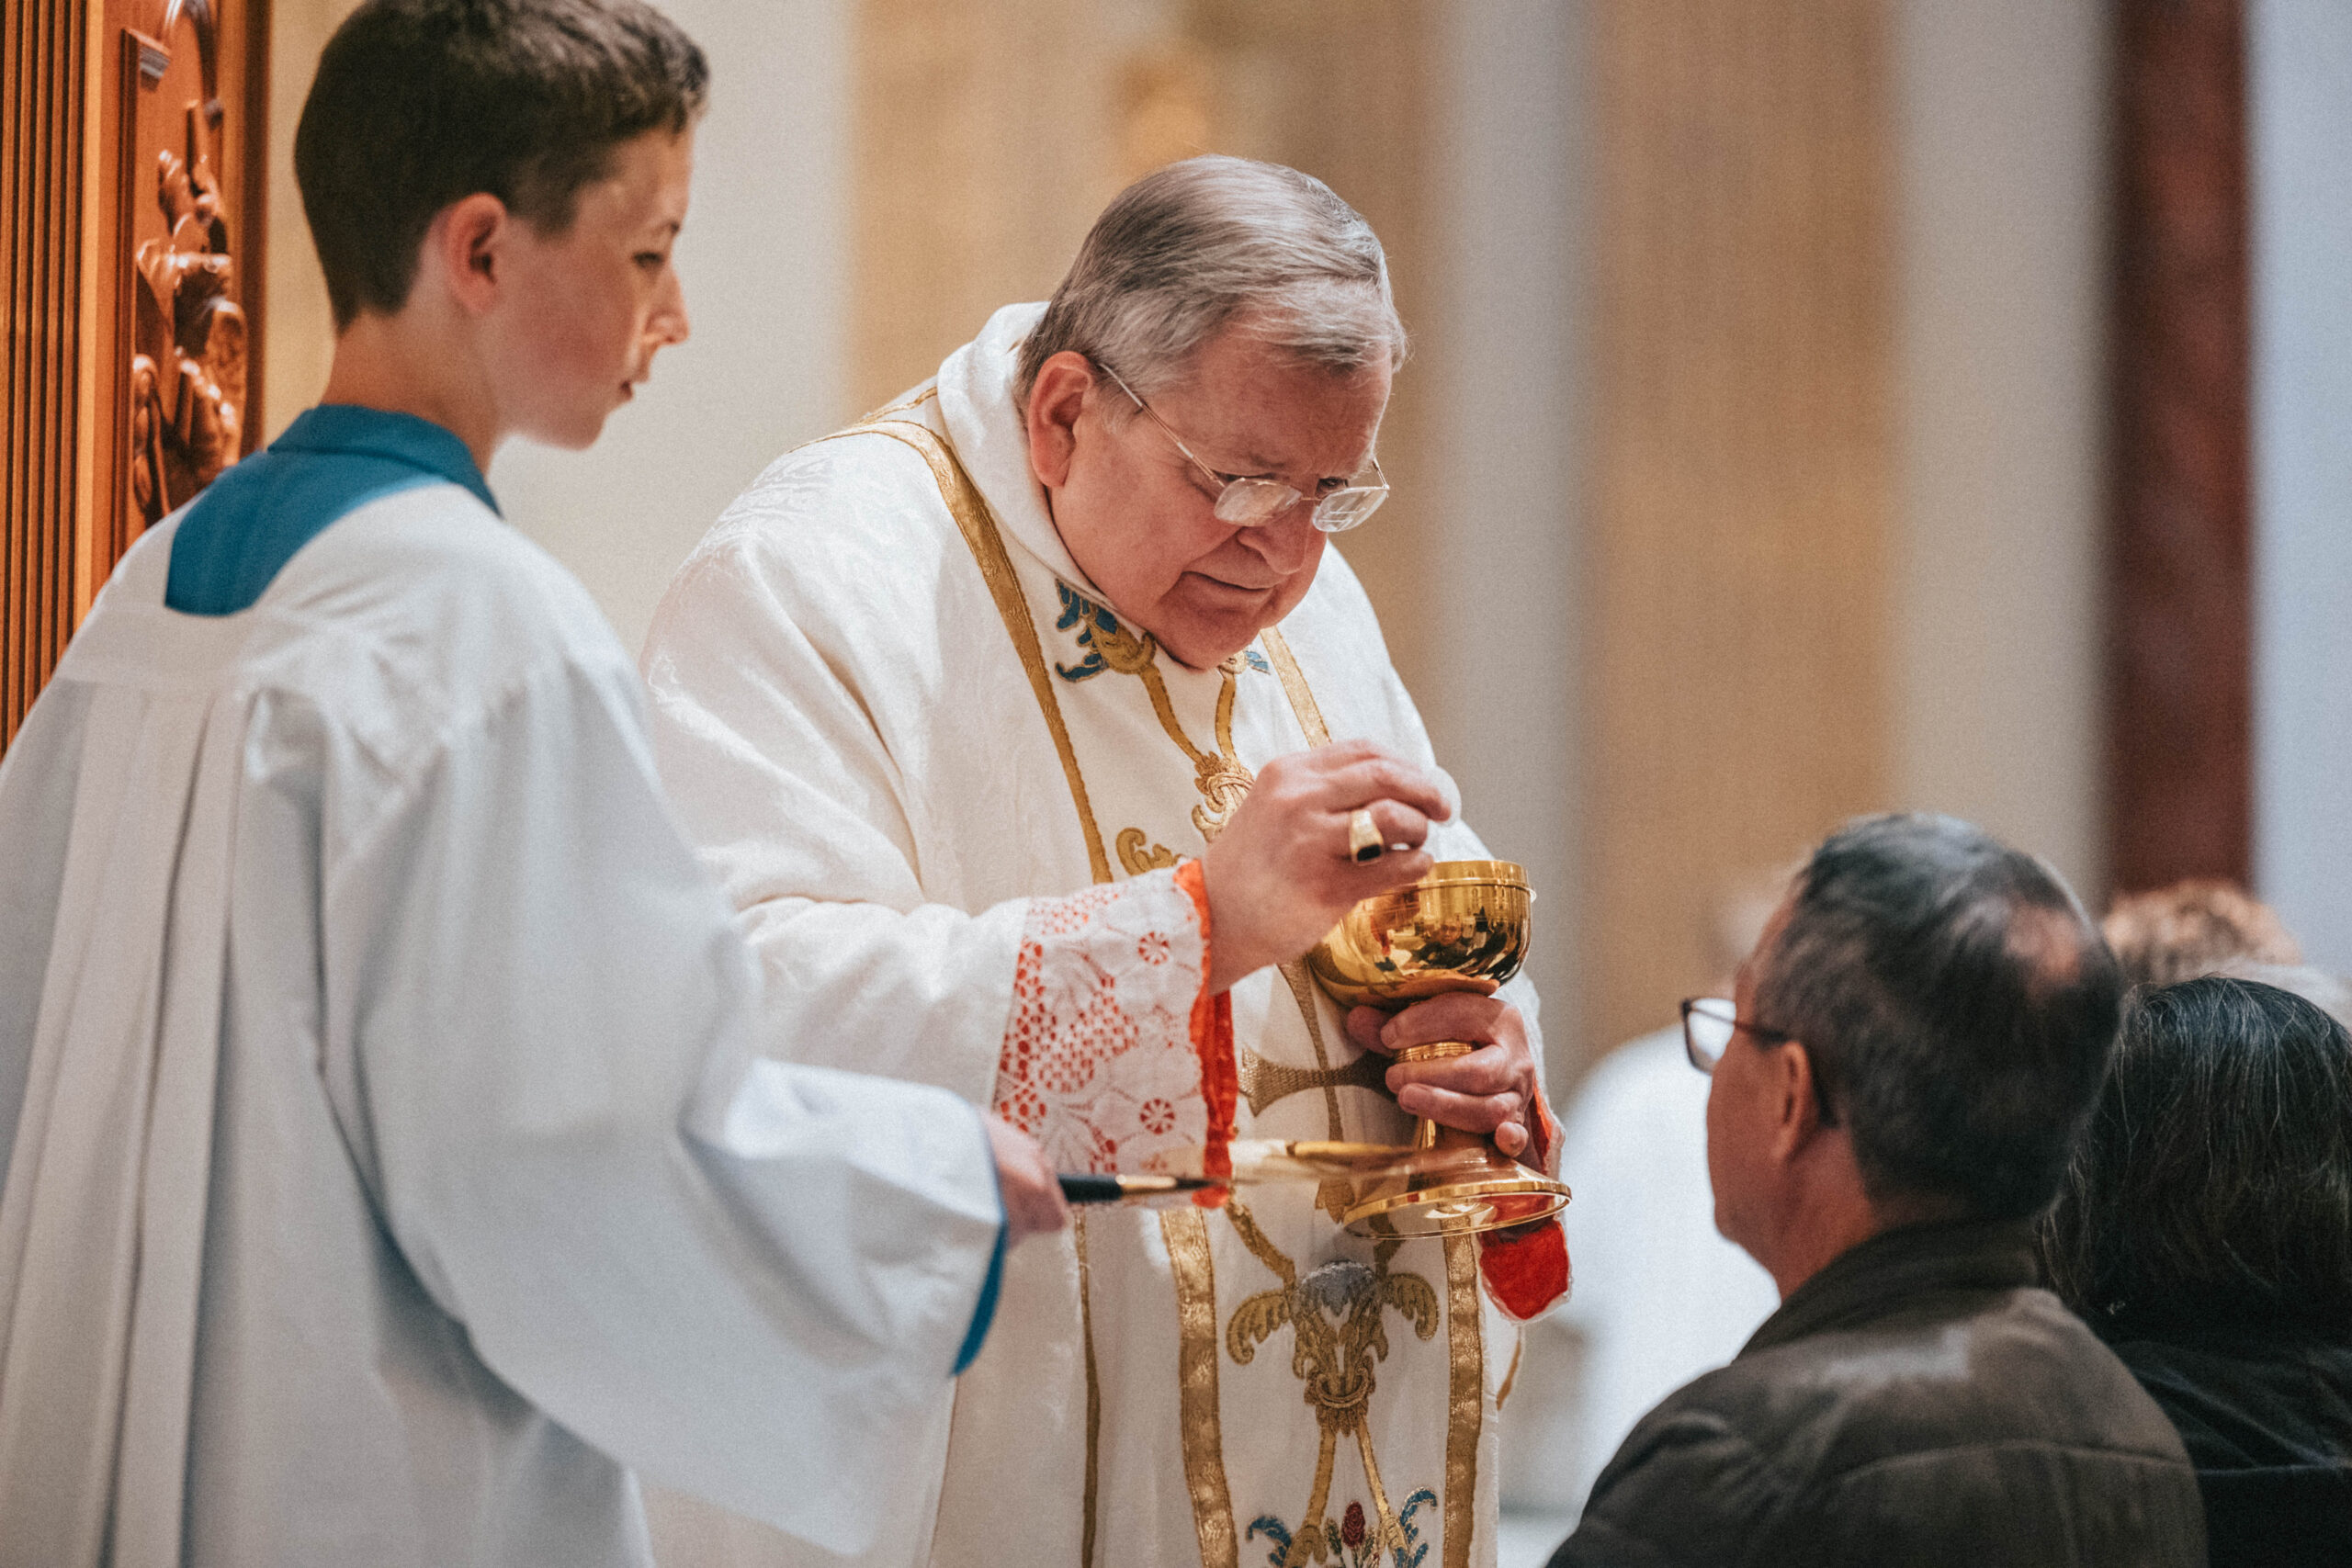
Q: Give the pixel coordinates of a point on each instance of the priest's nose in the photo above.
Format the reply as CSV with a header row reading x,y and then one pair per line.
x,y
1285,543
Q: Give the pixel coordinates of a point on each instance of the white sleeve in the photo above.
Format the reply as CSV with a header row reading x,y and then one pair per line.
x,y
784,785
746,1280
1073,1015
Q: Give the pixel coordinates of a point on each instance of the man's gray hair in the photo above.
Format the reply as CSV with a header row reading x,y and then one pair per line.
x,y
1212,241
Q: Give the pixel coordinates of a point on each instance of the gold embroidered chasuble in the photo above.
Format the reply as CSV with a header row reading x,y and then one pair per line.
x,y
1232,1386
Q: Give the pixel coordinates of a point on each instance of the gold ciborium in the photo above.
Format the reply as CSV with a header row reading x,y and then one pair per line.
x,y
1462,928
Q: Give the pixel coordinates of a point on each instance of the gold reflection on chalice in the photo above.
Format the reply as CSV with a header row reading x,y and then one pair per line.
x,y
1462,928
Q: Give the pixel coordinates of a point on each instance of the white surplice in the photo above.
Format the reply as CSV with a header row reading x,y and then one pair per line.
x,y
945,793
388,1160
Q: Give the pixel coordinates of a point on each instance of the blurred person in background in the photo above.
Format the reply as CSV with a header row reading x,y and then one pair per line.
x,y
2198,927
1897,1080
2204,926
2205,1231
1660,1296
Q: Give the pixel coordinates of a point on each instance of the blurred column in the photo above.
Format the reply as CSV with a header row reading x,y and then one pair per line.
x,y
2003,196
2179,681
2300,88
1502,355
1742,458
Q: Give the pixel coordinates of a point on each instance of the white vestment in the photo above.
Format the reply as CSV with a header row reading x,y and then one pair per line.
x,y
944,784
384,1143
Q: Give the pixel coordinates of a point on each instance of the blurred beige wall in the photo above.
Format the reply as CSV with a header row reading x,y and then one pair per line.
x,y
2001,136
764,260
299,340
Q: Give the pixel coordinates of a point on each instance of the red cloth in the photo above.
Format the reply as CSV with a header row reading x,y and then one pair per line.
x,y
1526,1269
1213,1038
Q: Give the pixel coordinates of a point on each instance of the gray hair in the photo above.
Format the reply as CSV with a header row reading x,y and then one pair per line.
x,y
1199,245
1958,1004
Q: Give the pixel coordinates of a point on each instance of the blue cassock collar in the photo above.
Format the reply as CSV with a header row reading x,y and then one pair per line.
x,y
331,460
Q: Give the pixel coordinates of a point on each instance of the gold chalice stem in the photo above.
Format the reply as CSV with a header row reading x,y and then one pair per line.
x,y
1427,1133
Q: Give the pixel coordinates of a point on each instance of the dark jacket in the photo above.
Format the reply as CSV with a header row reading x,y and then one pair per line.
x,y
2268,1419
1918,1402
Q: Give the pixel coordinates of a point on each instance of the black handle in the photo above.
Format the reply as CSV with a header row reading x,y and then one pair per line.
x,y
1078,1189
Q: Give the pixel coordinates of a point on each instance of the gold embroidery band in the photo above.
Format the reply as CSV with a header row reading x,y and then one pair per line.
x,y
1465,1396
1510,1378
1302,700
1266,1083
1186,1232
1094,1398
914,399
970,510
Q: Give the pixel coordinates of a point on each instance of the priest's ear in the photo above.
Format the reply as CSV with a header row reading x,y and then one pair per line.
x,y
1055,402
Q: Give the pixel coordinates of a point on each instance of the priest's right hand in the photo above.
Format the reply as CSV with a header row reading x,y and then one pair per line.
x,y
1031,1189
1281,874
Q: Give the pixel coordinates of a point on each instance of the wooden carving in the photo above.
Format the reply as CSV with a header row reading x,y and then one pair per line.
x,y
188,349
130,237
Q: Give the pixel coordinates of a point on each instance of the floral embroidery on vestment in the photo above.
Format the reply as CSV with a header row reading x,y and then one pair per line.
x,y
1347,1543
1100,1064
1091,620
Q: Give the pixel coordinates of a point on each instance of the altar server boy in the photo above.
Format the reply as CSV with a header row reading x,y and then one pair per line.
x,y
389,1158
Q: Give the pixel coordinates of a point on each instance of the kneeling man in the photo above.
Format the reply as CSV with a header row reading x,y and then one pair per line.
x,y
1914,1042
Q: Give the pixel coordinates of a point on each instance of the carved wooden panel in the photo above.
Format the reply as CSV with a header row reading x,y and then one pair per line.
x,y
131,194
42,132
184,117
2180,685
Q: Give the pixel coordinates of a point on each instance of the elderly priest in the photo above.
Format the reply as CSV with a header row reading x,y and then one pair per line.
x,y
1027,725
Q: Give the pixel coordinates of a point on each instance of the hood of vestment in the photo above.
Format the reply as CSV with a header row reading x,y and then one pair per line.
x,y
984,421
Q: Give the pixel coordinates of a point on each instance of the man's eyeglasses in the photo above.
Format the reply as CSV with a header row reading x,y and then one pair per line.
x,y
1708,1025
1250,504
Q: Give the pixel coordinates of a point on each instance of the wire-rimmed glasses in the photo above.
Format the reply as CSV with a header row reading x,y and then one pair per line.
x,y
1251,503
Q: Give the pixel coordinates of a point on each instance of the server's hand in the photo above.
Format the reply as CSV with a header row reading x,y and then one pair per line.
x,y
1033,1191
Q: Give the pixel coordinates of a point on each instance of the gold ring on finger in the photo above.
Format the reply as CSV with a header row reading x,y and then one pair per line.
x,y
1363,836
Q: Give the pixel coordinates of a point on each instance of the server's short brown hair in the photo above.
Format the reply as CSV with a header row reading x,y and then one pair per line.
x,y
421,103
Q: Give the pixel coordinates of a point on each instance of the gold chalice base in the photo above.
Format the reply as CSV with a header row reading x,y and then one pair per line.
x,y
1500,1193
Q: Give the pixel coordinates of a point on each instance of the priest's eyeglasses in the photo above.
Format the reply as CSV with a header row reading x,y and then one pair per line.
x,y
1251,503
1708,1025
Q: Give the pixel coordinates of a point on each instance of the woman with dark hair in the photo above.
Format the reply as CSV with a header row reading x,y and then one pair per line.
x,y
2205,1230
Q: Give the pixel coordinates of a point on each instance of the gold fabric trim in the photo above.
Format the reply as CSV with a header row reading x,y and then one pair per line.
x,y
1465,1396
1223,782
1517,1348
970,510
1264,1082
1302,700
1186,1233
920,396
1302,991
1094,1398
